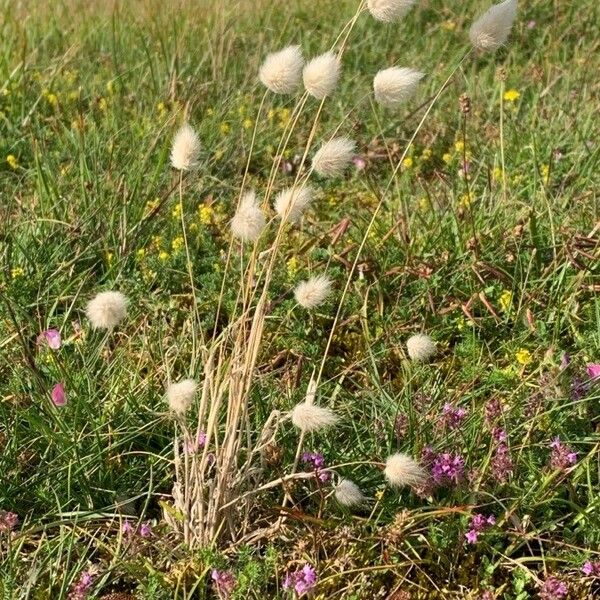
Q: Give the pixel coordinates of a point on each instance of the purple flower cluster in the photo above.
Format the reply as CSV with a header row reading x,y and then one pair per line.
x,y
562,457
80,590
448,468
478,524
224,582
501,462
301,581
493,411
50,337
192,446
452,416
591,569
144,531
553,589
316,462
8,520
400,425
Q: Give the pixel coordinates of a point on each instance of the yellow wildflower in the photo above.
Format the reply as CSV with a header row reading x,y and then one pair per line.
x,y
163,255
110,87
497,173
224,128
218,155
449,25
546,173
140,253
379,495
177,243
210,111
248,123
459,146
12,161
152,204
161,108
511,95
102,104
205,213
110,258
424,204
426,154
523,356
156,241
506,299
466,200
176,212
271,114
447,158
193,227
292,267
407,163
73,95
16,272
51,99
242,110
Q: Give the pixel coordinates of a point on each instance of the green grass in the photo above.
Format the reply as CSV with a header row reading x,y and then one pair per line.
x,y
89,101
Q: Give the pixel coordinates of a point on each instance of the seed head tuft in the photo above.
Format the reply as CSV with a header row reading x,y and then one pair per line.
x,y
389,11
185,149
313,292
282,71
321,75
333,157
395,85
492,29
309,417
403,470
106,310
249,221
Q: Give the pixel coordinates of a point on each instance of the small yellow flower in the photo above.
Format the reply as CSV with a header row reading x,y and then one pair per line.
x,y
497,173
161,108
407,163
163,255
511,95
12,161
210,111
271,114
506,299
449,25
546,173
447,158
140,253
193,227
177,243
523,356
51,99
205,213
224,128
426,154
248,123
424,204
176,212
73,95
102,104
110,87
466,200
242,110
110,257
17,272
218,155
292,267
152,204
379,495
284,116
459,146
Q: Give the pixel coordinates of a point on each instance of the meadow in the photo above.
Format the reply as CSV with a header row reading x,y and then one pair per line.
x,y
389,388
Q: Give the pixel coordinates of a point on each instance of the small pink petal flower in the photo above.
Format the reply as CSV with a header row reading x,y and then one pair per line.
x,y
593,370
59,396
471,536
51,337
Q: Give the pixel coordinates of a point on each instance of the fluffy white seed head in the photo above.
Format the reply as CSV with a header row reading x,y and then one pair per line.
x,y
309,417
185,149
249,221
106,310
282,71
321,75
333,157
395,85
403,470
180,395
291,203
420,347
492,29
309,294
347,493
389,11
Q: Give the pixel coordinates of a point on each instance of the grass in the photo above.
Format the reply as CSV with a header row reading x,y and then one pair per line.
x,y
491,266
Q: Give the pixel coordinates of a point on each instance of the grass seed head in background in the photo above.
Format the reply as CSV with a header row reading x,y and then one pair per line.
x,y
281,72
395,85
492,29
106,310
313,292
249,220
402,470
321,75
186,149
347,493
180,396
420,347
309,417
333,157
291,203
389,11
